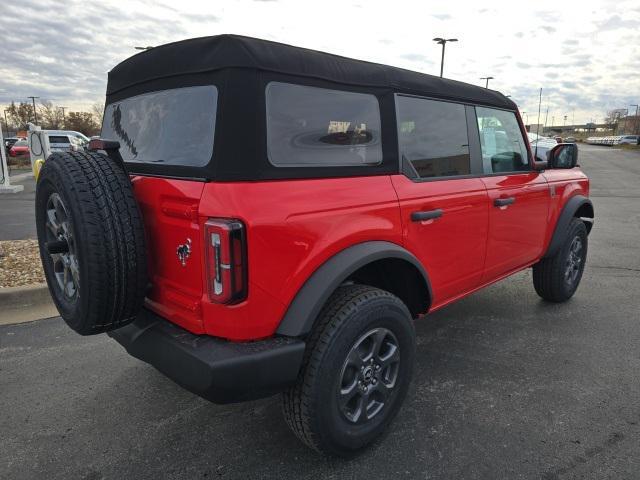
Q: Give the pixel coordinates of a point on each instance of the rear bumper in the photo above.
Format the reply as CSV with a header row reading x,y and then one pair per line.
x,y
215,369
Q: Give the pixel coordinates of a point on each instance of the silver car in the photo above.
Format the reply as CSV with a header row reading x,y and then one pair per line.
x,y
540,145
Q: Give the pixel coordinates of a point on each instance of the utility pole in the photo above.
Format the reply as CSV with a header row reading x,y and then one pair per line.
x,y
63,109
443,42
35,113
487,79
635,120
546,116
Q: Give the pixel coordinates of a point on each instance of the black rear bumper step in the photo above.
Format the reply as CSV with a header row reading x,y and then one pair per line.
x,y
218,370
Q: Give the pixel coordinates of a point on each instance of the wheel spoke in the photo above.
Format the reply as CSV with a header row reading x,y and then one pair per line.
x,y
378,342
391,356
52,222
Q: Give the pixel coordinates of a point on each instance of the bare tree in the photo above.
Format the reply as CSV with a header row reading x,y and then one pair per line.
x,y
82,122
97,110
19,115
51,116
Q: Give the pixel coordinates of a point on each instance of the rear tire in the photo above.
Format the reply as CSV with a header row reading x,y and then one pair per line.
x,y
91,240
556,278
356,371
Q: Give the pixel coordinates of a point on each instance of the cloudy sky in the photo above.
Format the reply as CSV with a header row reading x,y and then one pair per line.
x,y
584,54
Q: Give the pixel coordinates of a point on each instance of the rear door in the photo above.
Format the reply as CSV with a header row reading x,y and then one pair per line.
x,y
518,195
444,205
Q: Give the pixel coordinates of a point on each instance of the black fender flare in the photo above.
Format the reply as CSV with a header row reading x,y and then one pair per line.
x,y
305,307
568,212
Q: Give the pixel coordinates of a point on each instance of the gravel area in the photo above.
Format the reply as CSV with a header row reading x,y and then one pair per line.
x,y
20,263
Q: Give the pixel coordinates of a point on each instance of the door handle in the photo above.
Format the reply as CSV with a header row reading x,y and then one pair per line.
x,y
427,215
503,202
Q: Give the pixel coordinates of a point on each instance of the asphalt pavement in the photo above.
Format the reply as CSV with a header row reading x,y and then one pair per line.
x,y
505,386
17,214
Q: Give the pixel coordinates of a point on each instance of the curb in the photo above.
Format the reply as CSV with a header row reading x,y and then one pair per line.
x,y
25,304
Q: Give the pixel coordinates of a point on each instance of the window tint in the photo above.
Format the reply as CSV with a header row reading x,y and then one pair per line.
x,y
433,137
503,147
310,126
58,139
174,127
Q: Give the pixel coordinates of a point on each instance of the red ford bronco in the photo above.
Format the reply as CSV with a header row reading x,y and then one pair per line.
x,y
259,218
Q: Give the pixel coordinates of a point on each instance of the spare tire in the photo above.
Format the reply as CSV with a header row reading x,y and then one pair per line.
x,y
91,240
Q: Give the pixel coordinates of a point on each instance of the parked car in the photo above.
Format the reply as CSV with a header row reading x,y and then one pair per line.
x,y
19,148
629,140
301,210
73,133
540,146
64,142
9,142
558,139
570,140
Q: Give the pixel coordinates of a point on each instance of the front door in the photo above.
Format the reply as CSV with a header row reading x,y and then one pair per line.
x,y
518,196
444,208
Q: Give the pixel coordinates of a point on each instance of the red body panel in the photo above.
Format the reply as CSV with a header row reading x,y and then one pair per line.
x,y
170,212
517,232
452,248
294,226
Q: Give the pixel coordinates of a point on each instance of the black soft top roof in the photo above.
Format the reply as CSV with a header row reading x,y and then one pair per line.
x,y
207,54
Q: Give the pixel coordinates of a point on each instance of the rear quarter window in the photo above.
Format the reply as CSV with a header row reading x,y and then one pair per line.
x,y
168,127
58,139
317,127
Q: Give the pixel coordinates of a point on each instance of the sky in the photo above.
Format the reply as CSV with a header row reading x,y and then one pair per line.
x,y
585,55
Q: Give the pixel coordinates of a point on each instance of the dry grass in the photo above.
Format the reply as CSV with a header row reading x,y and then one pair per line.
x,y
20,263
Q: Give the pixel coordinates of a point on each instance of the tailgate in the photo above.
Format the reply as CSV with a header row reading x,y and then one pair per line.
x,y
170,212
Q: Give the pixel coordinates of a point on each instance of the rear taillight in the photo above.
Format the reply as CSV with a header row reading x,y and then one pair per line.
x,y
226,257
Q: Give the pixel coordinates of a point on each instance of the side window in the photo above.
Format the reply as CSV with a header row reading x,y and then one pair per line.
x,y
432,136
503,147
318,127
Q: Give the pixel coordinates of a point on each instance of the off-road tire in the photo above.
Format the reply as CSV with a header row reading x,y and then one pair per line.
x,y
310,406
108,239
549,277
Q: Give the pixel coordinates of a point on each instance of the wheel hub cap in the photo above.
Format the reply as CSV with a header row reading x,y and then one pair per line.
x,y
574,261
369,375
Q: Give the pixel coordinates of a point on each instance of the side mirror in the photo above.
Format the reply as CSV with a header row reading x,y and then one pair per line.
x,y
540,165
563,155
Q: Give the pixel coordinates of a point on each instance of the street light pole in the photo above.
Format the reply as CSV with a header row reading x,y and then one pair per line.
x,y
6,124
487,79
443,42
35,113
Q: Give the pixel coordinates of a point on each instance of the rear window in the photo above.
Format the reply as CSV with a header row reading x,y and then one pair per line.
x,y
58,139
317,127
169,127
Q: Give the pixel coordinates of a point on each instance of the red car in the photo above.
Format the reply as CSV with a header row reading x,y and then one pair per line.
x,y
21,147
259,218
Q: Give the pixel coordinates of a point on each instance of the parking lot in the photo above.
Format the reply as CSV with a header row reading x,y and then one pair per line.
x,y
505,386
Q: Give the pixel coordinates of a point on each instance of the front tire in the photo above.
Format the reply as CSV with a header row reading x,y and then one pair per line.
x,y
356,371
556,278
